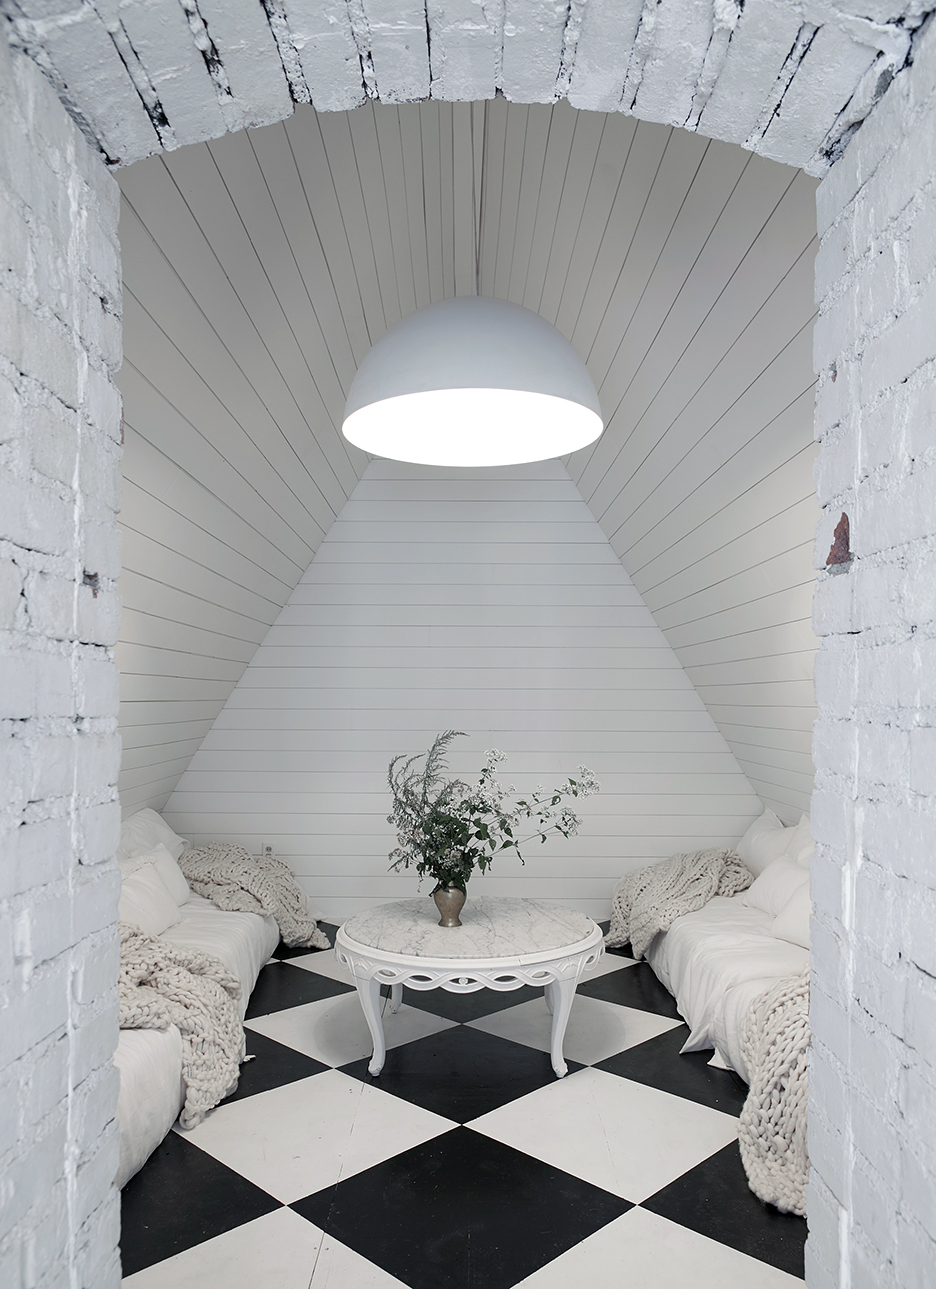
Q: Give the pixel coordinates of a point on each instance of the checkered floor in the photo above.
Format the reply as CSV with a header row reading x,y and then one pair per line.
x,y
465,1164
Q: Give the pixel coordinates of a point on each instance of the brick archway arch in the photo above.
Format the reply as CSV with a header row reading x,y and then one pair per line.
x,y
789,80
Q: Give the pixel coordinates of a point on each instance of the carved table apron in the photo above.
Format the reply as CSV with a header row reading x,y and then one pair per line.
x,y
464,967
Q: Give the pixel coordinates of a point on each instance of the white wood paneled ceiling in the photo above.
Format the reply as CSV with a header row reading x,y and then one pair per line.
x,y
259,269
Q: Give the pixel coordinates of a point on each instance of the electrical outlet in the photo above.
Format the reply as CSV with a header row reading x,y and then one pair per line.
x,y
267,851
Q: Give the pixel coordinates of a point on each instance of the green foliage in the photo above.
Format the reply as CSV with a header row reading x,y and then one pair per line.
x,y
446,829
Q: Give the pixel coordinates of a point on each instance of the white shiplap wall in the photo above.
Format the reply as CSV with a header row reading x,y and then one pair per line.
x,y
703,479
488,601
261,267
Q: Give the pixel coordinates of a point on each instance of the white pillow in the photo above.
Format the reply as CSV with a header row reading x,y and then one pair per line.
x,y
169,871
803,856
763,842
798,838
146,829
146,902
775,885
792,922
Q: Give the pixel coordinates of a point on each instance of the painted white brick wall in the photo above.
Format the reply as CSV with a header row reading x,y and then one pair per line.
x,y
59,750
872,1205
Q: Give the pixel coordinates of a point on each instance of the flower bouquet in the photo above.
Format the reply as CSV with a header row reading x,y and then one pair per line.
x,y
446,828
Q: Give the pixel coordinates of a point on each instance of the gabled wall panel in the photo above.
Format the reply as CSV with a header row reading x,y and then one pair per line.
x,y
484,600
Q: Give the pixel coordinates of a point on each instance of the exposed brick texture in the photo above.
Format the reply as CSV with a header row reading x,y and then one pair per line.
x,y
59,750
872,1208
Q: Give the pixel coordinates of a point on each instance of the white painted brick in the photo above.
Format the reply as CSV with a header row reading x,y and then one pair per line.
x,y
34,685
923,761
99,832
921,1018
916,1255
53,441
59,1012
822,1247
897,515
35,518
34,854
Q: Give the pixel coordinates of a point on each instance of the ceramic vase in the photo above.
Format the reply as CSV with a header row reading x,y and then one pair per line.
x,y
449,900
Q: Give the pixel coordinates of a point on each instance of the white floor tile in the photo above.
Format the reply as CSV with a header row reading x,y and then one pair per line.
x,y
596,1029
625,1137
334,1031
643,1249
281,1250
295,1140
324,964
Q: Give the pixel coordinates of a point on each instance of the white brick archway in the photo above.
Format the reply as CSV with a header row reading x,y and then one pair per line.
x,y
792,81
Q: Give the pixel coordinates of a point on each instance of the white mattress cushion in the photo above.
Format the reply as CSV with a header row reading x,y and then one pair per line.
x,y
146,829
146,902
775,885
242,941
792,922
763,842
716,949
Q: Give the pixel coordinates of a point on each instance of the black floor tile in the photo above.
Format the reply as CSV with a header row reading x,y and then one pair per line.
x,y
714,1199
273,1066
461,1212
281,985
464,1007
658,1064
285,951
634,986
182,1197
460,1073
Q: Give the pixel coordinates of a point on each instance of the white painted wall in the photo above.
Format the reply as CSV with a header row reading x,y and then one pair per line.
x,y
872,1199
488,601
59,749
703,480
259,270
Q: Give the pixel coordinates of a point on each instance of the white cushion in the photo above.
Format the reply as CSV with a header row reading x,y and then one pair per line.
x,y
775,885
169,871
763,842
798,838
792,922
803,855
146,902
144,830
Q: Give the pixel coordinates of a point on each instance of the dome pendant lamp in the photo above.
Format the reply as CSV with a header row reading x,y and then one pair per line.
x,y
472,382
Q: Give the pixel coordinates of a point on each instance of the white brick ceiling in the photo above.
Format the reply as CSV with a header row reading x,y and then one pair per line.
x,y
789,79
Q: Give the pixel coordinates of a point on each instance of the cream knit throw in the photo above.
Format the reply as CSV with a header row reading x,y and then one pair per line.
x,y
651,899
163,984
772,1133
239,882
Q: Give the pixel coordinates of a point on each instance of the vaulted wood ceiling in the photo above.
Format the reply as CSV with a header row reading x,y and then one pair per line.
x,y
260,268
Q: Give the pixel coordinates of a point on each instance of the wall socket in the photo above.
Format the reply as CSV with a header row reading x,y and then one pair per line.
x,y
266,850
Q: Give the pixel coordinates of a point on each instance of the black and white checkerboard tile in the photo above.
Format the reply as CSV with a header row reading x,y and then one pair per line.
x,y
466,1164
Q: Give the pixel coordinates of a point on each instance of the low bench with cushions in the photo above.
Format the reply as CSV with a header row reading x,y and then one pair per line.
x,y
717,960
155,896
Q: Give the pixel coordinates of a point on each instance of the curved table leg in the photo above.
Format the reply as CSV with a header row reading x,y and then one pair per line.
x,y
369,994
548,995
396,997
563,994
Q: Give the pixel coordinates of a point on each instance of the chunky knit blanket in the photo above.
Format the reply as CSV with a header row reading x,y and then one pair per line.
x,y
239,882
651,899
163,984
772,1133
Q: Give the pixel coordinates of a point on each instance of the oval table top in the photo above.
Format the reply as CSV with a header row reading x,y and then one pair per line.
x,y
491,927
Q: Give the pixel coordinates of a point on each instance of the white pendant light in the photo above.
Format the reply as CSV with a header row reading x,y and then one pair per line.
x,y
472,382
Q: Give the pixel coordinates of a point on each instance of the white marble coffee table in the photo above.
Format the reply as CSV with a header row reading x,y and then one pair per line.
x,y
502,944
